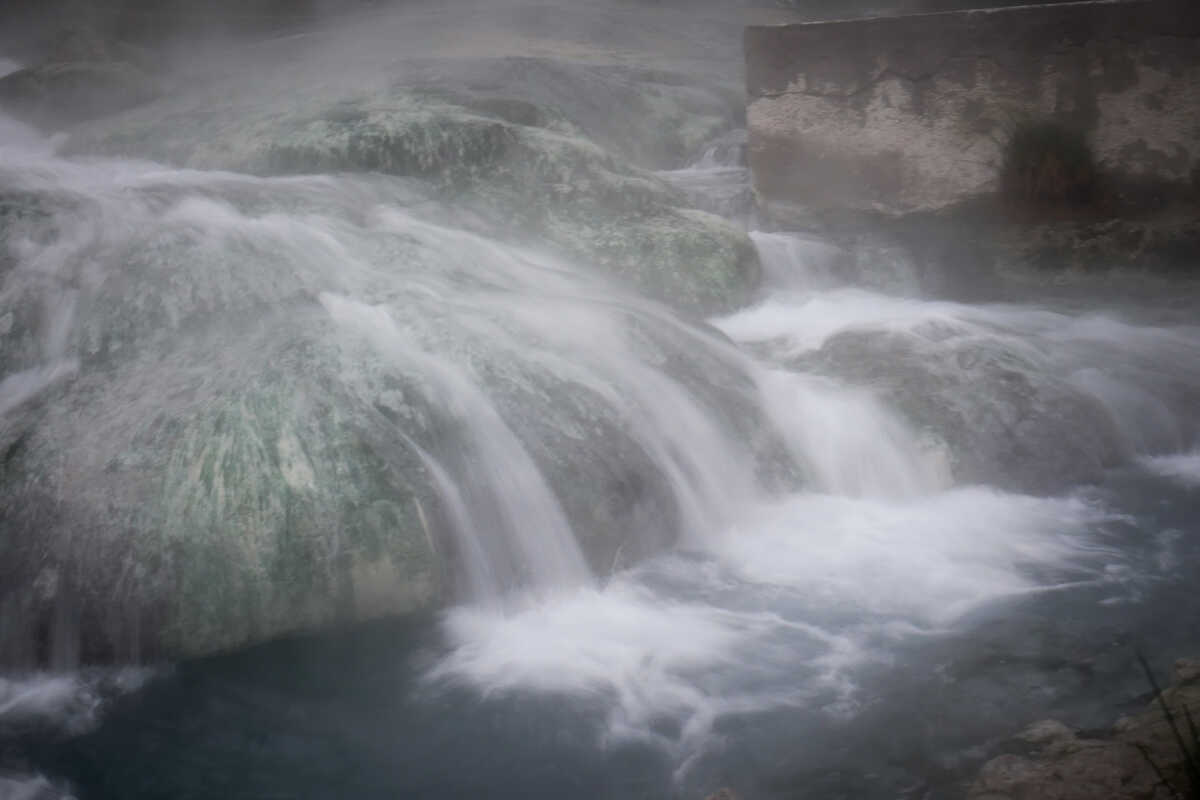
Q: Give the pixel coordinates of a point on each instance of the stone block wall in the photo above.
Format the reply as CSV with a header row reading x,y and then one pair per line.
x,y
898,114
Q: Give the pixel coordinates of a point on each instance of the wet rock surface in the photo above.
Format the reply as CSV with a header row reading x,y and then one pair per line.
x,y
1064,764
1005,420
289,488
65,92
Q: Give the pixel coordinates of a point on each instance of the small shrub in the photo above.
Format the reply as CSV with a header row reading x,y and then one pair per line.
x,y
1187,743
1047,164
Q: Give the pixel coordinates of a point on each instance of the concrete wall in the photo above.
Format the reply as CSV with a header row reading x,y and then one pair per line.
x,y
903,113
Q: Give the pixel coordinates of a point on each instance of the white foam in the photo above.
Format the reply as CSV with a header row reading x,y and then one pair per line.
x,y
1144,376
71,703
1183,468
781,613
663,669
803,322
927,561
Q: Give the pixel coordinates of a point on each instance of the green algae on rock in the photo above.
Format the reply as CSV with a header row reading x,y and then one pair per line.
x,y
220,508
196,455
542,185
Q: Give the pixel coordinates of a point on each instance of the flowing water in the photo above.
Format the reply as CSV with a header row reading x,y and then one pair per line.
x,y
975,515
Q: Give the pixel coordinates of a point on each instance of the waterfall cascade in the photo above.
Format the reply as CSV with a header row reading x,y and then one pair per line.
x,y
234,407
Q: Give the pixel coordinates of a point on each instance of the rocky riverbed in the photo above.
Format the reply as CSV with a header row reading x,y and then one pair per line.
x,y
1139,758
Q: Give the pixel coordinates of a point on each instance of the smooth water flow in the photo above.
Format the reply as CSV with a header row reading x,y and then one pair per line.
x,y
510,527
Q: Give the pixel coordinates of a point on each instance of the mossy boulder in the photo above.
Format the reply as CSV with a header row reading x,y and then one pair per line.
x,y
195,454
184,465
159,509
206,459
540,184
652,118
685,257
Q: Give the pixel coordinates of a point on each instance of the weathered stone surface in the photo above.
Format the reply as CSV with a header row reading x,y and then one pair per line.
x,y
63,92
904,113
1067,766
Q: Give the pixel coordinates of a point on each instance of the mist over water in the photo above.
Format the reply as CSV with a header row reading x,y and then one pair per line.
x,y
753,551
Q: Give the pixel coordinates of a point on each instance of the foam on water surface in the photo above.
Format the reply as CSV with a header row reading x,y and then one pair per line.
x,y
781,612
1183,468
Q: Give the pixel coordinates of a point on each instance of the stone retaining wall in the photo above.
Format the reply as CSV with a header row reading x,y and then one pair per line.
x,y
897,114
